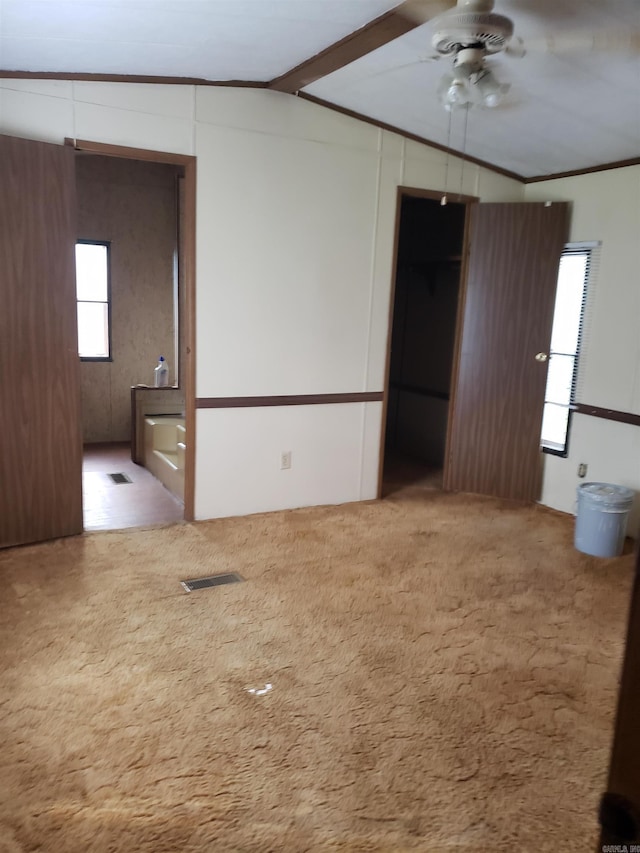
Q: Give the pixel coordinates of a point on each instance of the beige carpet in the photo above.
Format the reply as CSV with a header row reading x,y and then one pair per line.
x,y
443,677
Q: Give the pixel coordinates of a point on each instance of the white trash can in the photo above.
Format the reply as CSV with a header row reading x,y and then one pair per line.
x,y
601,520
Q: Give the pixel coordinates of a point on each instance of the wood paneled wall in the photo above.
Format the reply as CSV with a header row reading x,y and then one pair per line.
x,y
133,205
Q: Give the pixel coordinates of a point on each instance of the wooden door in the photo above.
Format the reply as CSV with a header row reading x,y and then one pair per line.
x,y
41,457
496,418
620,806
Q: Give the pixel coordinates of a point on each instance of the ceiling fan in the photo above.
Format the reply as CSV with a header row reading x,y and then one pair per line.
x,y
470,32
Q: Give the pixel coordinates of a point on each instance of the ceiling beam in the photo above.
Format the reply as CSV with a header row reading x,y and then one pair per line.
x,y
389,26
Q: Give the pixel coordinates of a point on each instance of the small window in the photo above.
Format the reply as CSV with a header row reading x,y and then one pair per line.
x,y
568,318
93,301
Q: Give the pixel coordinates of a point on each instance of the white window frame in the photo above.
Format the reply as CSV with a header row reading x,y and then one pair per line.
x,y
582,248
107,302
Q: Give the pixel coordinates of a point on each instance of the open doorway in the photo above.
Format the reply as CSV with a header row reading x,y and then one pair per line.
x,y
423,338
134,470
40,344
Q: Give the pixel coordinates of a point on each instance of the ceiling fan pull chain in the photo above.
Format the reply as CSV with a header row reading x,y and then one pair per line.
x,y
443,200
464,148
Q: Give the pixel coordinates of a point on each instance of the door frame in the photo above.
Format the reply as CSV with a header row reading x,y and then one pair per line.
x,y
467,201
188,162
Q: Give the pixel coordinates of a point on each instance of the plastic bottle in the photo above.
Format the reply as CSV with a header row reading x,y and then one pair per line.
x,y
161,373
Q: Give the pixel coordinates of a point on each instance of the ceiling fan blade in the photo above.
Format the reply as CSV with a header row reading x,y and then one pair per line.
x,y
621,42
393,24
422,11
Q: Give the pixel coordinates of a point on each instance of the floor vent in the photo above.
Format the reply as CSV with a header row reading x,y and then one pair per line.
x,y
212,580
119,479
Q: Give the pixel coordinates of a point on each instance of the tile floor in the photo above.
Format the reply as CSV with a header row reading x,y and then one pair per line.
x,y
108,506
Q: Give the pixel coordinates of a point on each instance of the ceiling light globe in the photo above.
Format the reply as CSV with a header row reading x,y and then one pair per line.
x,y
492,99
456,93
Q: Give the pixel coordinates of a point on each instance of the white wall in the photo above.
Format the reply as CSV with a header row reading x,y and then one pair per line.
x,y
606,207
295,227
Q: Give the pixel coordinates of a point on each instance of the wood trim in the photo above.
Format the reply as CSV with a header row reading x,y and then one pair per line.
x,y
189,349
148,155
287,400
606,414
83,77
604,167
189,164
387,362
134,453
387,27
413,136
436,196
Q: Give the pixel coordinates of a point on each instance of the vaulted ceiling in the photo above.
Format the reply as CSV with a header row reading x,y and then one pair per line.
x,y
569,106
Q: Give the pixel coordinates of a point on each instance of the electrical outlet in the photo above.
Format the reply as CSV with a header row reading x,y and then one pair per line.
x,y
582,469
285,459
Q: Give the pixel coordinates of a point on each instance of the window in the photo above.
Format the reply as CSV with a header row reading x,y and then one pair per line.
x,y
568,319
93,301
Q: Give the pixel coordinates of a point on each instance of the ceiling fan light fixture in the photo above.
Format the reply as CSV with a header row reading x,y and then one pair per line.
x,y
492,99
489,89
453,91
457,93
